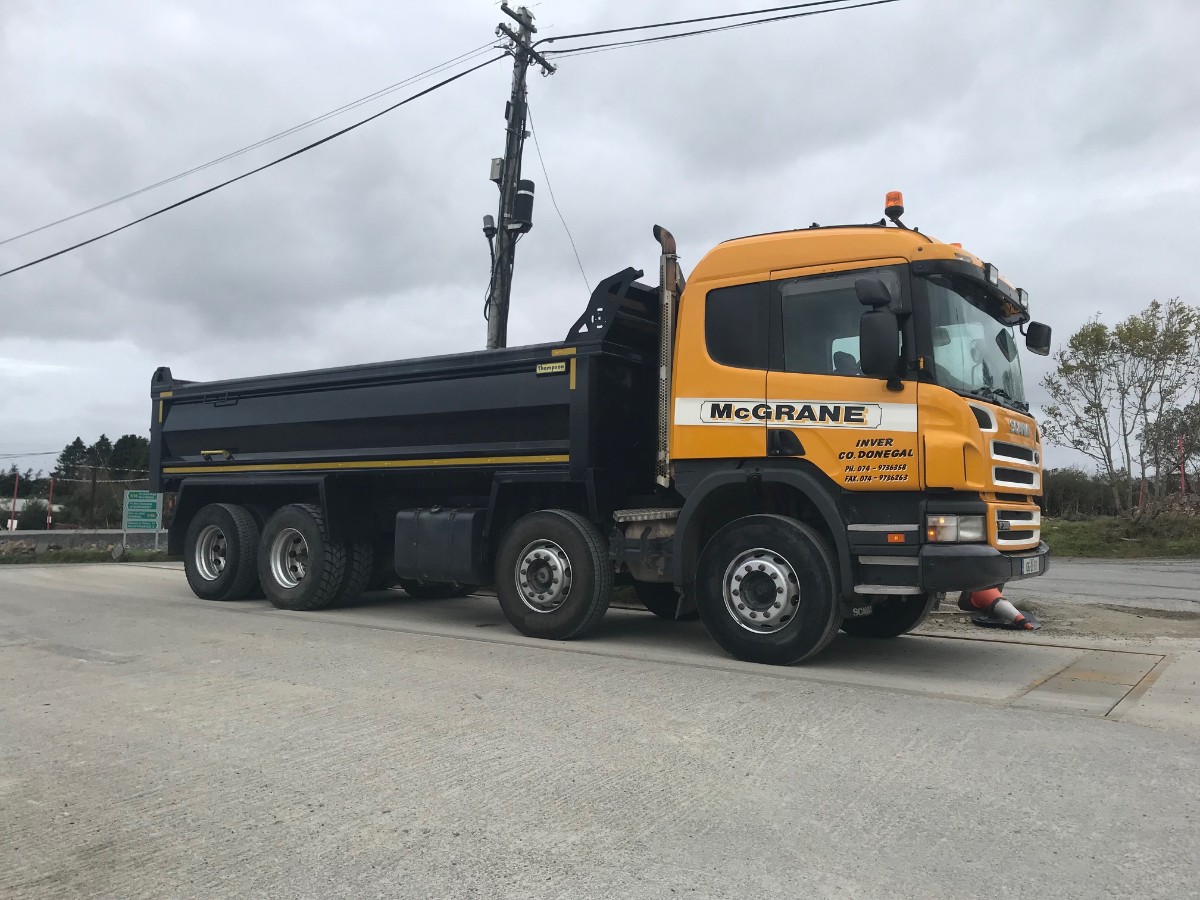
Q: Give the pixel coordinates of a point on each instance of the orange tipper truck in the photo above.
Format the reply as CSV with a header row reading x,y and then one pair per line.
x,y
823,428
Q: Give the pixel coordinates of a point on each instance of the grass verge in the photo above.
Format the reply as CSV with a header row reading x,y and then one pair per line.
x,y
1111,538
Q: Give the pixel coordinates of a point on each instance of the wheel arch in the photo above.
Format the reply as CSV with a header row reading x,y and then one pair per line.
x,y
724,495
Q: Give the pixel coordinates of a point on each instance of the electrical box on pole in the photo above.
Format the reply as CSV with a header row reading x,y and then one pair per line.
x,y
515,216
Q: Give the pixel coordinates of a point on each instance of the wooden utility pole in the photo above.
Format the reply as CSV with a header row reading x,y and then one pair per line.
x,y
508,225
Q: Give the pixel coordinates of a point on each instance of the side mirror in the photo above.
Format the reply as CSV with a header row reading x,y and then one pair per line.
x,y
872,292
878,343
1037,338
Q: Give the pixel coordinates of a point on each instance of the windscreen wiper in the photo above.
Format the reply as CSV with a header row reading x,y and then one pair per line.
x,y
994,394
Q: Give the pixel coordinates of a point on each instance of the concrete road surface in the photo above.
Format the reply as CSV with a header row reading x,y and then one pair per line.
x,y
154,745
1167,584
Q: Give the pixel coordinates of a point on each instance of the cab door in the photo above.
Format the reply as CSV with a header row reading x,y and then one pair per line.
x,y
720,370
822,407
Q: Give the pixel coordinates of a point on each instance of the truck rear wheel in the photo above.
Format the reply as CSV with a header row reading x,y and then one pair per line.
x,y
300,568
553,577
219,552
766,590
360,566
892,617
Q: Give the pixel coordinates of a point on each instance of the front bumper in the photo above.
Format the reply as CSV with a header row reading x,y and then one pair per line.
x,y
973,567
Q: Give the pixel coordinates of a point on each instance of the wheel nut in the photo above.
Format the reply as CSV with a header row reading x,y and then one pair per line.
x,y
741,606
753,615
778,605
779,590
775,575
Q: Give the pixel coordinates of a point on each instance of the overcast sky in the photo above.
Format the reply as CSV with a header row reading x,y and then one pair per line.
x,y
1059,140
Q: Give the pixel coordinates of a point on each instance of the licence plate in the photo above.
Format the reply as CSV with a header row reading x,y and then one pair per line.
x,y
1031,566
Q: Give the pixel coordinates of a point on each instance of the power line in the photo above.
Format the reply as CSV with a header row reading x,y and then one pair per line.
x,y
566,228
420,76
735,15
38,453
275,162
612,45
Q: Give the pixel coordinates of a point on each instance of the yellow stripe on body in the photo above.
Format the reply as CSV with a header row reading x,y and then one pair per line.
x,y
563,351
368,464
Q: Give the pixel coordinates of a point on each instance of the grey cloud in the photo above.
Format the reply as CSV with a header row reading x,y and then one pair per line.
x,y
1056,139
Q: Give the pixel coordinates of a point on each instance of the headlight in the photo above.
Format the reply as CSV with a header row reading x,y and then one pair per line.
x,y
954,529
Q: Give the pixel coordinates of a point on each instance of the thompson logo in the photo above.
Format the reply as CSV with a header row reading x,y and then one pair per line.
x,y
796,414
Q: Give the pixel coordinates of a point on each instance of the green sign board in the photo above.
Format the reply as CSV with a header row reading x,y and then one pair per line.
x,y
143,511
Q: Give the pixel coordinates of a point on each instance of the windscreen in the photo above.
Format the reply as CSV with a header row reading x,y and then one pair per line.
x,y
973,353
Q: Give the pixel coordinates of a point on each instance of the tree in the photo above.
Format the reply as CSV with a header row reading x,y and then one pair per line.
x,y
72,460
1174,442
1113,391
130,456
1075,494
33,516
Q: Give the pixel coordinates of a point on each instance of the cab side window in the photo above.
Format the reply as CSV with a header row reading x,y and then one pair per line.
x,y
820,322
736,323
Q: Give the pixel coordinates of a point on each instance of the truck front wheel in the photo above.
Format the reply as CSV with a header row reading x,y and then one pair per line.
x,y
219,552
892,617
300,568
766,590
553,577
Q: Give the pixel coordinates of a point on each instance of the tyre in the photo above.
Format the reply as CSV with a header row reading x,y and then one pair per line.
x,y
435,590
219,553
553,577
360,566
892,617
383,571
299,567
660,598
767,590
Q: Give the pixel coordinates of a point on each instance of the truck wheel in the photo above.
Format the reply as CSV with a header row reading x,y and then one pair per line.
x,y
219,553
893,617
300,568
553,577
435,590
660,599
383,571
360,565
766,590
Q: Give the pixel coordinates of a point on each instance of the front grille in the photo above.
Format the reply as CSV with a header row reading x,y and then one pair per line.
x,y
1018,478
1005,450
1018,527
1013,498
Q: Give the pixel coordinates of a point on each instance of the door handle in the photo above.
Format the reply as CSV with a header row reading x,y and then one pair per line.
x,y
783,442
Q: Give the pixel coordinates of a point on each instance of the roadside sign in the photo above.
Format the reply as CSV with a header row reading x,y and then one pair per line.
x,y
142,511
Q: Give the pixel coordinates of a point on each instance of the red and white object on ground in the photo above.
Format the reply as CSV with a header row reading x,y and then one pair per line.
x,y
991,602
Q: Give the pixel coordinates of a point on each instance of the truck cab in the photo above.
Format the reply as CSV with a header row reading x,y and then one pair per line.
x,y
866,381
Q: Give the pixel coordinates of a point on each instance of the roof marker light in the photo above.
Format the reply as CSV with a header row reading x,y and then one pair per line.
x,y
893,205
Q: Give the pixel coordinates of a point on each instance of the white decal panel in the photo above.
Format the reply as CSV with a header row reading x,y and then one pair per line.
x,y
797,413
